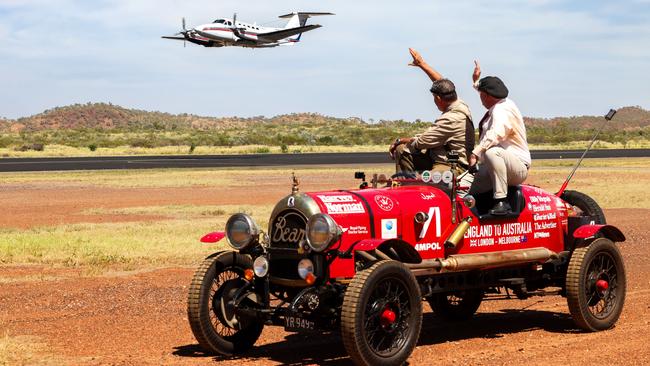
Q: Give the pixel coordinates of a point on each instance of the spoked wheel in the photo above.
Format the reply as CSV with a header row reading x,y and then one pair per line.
x,y
456,306
216,285
382,315
595,285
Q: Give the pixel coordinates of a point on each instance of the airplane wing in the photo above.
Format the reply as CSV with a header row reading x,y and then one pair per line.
x,y
284,33
307,14
176,38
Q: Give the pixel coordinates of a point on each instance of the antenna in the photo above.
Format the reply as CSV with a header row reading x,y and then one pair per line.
x,y
608,117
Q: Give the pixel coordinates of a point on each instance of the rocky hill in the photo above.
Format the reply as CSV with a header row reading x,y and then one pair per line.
x,y
107,125
626,118
101,116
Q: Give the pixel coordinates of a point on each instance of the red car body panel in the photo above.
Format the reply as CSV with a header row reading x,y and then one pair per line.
x,y
369,217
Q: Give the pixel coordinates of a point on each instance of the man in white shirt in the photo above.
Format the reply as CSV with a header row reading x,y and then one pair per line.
x,y
502,150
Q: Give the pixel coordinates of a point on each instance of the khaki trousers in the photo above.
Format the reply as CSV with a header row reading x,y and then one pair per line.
x,y
498,170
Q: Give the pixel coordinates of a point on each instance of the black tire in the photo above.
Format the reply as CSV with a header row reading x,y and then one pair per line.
x,y
457,305
216,278
371,334
593,305
586,204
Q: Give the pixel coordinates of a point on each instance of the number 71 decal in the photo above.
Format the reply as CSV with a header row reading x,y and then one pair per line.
x,y
434,212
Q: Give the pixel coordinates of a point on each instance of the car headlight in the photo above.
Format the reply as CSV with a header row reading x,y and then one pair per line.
x,y
322,231
261,266
241,231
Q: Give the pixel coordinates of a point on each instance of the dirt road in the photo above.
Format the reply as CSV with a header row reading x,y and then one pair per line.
x,y
139,319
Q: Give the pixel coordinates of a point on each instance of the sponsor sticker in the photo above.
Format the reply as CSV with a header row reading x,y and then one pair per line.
x,y
356,230
385,203
545,225
447,177
436,177
389,228
544,216
426,176
427,196
342,204
423,247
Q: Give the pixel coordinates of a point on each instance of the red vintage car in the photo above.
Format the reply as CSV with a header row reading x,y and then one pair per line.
x,y
363,260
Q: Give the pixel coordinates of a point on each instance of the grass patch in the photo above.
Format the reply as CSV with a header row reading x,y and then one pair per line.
x,y
23,350
127,246
613,183
173,211
191,177
70,151
158,178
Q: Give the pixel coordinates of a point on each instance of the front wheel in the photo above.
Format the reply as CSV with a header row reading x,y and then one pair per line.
x,y
216,284
456,306
382,315
595,285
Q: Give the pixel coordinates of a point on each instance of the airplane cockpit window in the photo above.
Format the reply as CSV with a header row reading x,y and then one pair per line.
x,y
228,23
219,21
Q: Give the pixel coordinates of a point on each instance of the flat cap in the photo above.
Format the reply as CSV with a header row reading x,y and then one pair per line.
x,y
493,86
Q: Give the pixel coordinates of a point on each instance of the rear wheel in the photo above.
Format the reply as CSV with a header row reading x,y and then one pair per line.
x,y
382,315
211,307
457,305
586,204
595,285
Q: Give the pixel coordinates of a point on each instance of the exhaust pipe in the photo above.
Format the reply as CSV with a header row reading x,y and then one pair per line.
x,y
467,262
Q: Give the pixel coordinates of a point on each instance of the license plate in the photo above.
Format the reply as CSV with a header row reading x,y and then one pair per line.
x,y
296,323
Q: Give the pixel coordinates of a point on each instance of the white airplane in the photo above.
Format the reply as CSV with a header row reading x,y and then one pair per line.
x,y
230,32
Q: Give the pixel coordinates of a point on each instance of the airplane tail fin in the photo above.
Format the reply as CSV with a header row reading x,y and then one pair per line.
x,y
299,19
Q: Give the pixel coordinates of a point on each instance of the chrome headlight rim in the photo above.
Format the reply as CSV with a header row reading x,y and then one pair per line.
x,y
261,266
332,234
252,231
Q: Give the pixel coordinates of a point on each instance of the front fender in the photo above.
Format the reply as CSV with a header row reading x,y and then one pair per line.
x,y
608,231
213,237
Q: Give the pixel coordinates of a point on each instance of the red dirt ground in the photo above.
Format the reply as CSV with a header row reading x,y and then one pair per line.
x,y
139,318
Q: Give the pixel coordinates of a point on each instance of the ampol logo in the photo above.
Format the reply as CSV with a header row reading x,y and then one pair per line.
x,y
385,203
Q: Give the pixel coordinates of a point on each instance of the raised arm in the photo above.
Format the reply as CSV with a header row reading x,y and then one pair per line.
x,y
476,75
418,61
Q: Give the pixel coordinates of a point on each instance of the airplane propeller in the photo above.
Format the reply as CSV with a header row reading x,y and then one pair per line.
x,y
234,28
183,32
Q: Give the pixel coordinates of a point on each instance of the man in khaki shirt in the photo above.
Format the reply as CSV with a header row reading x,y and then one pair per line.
x,y
452,131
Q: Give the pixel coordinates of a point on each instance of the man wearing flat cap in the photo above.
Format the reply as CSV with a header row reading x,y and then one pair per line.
x,y
502,150
452,131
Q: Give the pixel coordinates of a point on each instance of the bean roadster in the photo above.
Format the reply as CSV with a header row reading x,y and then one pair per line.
x,y
362,261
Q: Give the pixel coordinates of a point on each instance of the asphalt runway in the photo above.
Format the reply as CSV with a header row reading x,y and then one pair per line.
x,y
259,160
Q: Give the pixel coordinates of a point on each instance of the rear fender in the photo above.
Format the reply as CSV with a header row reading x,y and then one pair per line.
x,y
607,231
213,237
394,248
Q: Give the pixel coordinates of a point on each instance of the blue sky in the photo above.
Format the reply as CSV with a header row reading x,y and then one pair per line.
x,y
557,57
